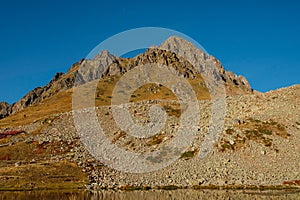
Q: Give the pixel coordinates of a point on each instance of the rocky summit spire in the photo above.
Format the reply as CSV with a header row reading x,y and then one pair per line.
x,y
93,69
177,44
207,65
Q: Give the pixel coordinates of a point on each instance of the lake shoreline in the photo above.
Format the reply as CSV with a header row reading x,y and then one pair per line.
x,y
166,187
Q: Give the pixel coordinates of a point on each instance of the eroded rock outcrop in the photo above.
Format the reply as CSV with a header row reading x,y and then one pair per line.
x,y
4,109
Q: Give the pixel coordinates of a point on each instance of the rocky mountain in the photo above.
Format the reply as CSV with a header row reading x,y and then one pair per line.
x,y
40,147
104,65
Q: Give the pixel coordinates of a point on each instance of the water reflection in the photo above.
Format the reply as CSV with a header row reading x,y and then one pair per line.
x,y
152,194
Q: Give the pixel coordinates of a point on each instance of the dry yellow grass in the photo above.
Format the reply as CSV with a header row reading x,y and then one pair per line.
x,y
62,101
45,175
58,103
40,173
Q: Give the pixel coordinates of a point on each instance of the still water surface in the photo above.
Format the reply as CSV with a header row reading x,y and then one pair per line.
x,y
153,194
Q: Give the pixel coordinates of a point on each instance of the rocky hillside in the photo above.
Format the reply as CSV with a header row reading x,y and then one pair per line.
x,y
255,150
257,147
105,65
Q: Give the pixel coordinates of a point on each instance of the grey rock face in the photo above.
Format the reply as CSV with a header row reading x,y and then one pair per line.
x,y
93,69
29,99
204,62
238,81
4,109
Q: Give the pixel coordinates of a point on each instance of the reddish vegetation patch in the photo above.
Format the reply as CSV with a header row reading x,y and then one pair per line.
x,y
39,150
294,182
5,157
13,132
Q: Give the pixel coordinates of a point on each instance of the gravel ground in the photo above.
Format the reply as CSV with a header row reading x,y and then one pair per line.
x,y
252,163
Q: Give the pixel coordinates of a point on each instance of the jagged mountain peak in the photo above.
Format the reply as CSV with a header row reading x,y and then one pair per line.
x,y
104,54
176,40
210,67
175,52
177,44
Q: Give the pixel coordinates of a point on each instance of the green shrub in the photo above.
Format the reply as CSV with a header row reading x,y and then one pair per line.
x,y
188,154
229,131
265,131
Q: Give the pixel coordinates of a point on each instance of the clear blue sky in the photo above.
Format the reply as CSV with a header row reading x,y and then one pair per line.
x,y
257,39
